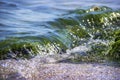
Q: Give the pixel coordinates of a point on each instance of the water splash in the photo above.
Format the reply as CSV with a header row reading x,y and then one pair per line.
x,y
76,28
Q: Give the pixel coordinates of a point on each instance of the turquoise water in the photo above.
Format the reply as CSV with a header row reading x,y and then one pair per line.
x,y
57,26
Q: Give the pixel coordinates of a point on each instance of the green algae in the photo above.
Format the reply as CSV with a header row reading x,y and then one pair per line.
x,y
17,48
117,35
29,47
97,19
114,51
78,31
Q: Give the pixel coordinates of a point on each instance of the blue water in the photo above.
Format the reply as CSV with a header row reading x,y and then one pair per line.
x,y
20,18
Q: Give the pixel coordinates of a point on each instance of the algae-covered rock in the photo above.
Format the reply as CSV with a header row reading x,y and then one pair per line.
x,y
78,31
117,35
27,48
114,52
17,49
98,21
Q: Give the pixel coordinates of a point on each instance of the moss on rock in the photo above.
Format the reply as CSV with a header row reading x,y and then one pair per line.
x,y
114,52
17,49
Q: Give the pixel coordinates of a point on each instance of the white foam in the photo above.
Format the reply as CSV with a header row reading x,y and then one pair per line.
x,y
78,49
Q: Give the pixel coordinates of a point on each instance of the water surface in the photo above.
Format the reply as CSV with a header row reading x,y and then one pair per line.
x,y
62,24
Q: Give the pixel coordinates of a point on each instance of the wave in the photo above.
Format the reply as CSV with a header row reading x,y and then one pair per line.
x,y
84,28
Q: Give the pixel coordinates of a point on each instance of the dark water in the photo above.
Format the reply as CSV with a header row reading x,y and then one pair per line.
x,y
53,26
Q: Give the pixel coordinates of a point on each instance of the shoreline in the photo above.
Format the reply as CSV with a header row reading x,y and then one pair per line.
x,y
34,69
